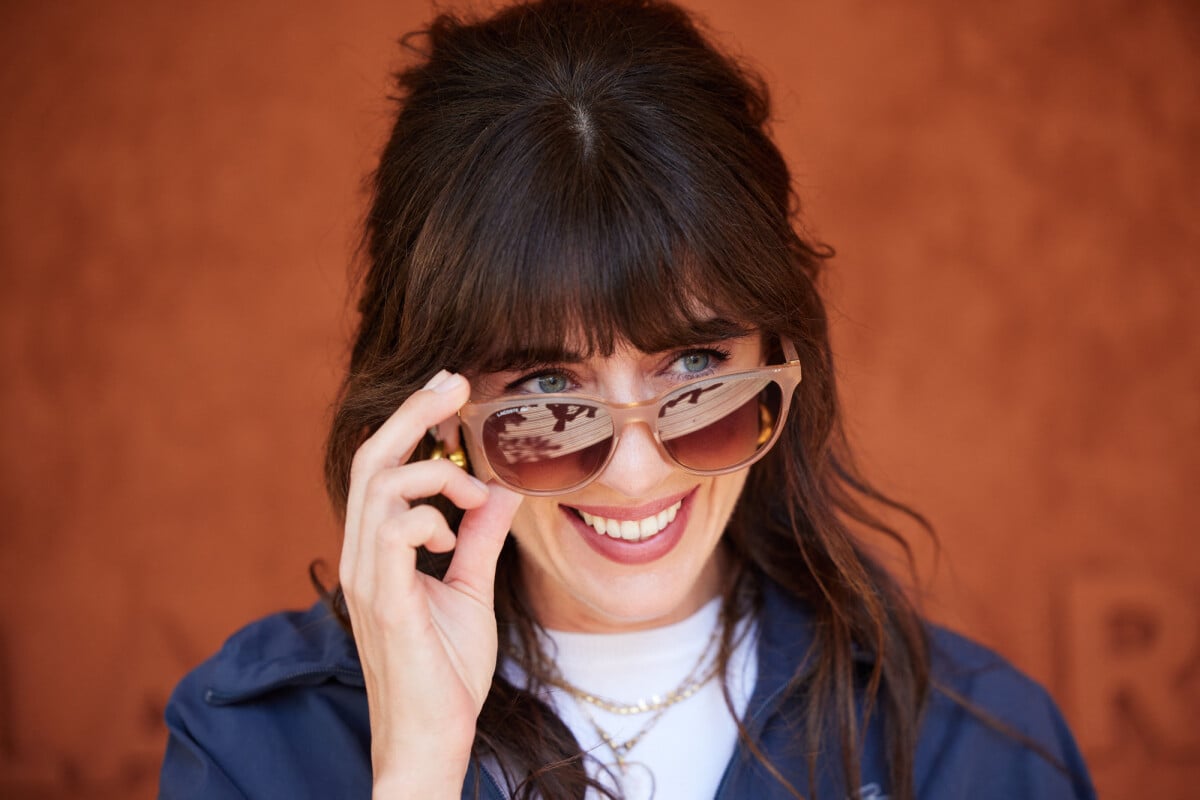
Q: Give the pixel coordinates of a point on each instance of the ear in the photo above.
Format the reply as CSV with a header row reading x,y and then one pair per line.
x,y
448,433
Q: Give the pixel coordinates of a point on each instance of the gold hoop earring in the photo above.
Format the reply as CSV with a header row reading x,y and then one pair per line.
x,y
766,424
457,457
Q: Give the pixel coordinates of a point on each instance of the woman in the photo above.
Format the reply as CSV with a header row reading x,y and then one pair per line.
x,y
588,319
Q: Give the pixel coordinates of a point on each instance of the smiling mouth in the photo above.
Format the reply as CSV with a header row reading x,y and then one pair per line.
x,y
631,530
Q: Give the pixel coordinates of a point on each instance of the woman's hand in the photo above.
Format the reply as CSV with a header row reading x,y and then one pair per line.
x,y
428,647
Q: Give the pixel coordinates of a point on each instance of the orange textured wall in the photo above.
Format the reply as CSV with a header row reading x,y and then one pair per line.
x,y
1013,193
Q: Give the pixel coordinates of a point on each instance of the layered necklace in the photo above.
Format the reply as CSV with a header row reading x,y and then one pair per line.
x,y
636,779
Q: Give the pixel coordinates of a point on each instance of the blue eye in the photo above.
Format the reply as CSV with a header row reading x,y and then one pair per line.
x,y
696,362
551,383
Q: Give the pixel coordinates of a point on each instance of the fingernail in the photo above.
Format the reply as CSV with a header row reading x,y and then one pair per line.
x,y
436,379
449,384
482,486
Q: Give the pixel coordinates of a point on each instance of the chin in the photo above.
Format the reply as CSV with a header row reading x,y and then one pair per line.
x,y
594,565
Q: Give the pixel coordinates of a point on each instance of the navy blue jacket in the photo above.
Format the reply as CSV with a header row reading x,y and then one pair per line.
x,y
281,712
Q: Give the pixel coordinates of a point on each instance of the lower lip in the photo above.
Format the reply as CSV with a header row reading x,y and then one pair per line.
x,y
643,552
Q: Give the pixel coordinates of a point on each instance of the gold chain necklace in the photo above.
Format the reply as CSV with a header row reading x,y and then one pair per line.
x,y
692,683
620,750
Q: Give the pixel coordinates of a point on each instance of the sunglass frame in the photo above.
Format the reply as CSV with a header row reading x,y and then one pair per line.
x,y
788,375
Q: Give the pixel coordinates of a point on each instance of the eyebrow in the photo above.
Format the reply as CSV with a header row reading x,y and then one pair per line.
x,y
705,331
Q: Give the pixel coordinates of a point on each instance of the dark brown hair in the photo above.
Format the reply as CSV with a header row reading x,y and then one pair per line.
x,y
599,169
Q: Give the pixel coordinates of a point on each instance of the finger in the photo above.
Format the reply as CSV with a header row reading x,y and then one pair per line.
x,y
398,540
480,538
393,601
422,479
390,493
437,536
393,490
384,582
399,435
381,588
388,496
394,443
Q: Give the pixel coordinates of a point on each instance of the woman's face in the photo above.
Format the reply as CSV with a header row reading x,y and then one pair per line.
x,y
579,579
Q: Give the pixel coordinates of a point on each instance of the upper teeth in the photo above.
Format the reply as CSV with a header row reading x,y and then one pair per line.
x,y
632,530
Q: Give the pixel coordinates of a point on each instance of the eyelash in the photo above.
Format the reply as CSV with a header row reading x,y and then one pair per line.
x,y
515,386
716,355
719,356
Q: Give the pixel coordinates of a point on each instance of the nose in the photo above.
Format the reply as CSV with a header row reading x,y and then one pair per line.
x,y
637,466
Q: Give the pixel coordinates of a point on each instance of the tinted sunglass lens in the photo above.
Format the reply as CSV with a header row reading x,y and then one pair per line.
x,y
545,447
720,423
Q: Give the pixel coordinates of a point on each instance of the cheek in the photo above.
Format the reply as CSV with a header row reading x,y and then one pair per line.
x,y
535,519
724,494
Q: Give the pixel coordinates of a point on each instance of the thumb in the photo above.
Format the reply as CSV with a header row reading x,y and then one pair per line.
x,y
481,535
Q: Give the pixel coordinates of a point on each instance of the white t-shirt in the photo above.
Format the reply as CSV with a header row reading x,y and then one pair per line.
x,y
681,756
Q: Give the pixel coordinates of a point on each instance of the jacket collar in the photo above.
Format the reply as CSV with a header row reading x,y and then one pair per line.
x,y
786,646
785,640
288,649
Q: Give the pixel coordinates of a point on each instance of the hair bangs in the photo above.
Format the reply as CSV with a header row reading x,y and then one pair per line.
x,y
572,247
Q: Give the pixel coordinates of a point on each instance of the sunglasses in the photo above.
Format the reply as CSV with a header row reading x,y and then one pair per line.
x,y
557,443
